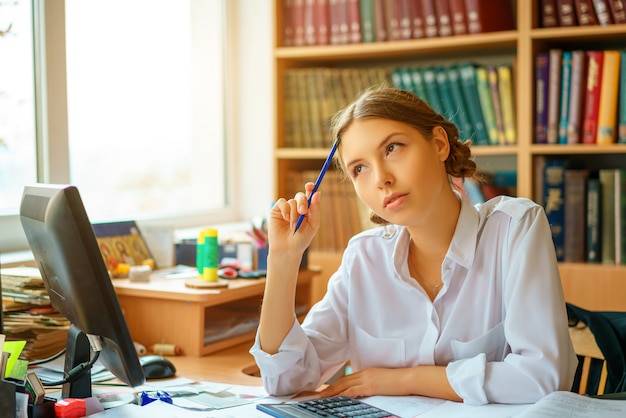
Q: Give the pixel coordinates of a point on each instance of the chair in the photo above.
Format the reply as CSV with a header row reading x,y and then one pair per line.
x,y
599,339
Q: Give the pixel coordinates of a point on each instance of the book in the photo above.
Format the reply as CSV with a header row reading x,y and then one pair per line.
x,y
621,115
322,31
566,76
458,17
494,90
575,215
392,20
429,17
548,14
618,11
353,12
297,22
554,94
450,107
620,216
542,69
576,97
466,129
593,231
607,103
566,12
338,22
595,60
444,23
288,35
603,12
367,21
607,215
554,202
405,19
470,94
417,81
430,84
380,29
585,13
486,105
489,16
505,85
310,23
417,19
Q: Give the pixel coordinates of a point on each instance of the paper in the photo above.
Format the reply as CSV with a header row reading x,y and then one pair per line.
x,y
571,405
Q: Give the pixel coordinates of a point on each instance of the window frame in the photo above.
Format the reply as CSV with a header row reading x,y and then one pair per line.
x,y
53,165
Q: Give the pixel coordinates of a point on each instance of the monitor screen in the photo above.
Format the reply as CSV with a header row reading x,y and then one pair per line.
x,y
64,245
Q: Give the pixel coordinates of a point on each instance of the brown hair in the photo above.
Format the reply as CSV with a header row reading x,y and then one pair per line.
x,y
406,107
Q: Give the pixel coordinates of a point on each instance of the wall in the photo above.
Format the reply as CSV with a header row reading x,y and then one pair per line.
x,y
253,118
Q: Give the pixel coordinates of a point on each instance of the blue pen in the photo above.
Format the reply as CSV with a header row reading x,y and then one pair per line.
x,y
319,179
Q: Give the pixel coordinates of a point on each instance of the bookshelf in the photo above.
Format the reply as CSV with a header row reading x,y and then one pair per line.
x,y
517,48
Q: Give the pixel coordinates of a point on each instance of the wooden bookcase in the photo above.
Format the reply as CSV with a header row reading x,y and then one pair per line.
x,y
516,47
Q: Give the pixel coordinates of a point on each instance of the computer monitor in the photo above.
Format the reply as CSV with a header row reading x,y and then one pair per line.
x,y
64,245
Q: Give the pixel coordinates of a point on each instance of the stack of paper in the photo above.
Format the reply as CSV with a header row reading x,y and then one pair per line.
x,y
28,314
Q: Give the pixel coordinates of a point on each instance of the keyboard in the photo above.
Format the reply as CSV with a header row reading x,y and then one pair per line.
x,y
333,407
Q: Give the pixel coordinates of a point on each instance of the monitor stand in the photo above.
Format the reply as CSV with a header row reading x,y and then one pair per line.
x,y
78,351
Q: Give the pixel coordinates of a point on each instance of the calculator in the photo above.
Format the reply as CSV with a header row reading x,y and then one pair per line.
x,y
334,406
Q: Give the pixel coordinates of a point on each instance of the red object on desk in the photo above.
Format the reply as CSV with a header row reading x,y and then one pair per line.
x,y
70,408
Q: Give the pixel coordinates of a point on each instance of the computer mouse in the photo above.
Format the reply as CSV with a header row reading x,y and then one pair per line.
x,y
157,367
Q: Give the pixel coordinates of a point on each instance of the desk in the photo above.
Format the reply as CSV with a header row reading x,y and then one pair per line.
x,y
167,311
224,366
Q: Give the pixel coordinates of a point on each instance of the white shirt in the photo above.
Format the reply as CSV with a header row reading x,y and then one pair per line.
x,y
375,315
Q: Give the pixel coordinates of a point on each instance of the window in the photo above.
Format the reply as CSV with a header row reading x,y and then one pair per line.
x,y
143,113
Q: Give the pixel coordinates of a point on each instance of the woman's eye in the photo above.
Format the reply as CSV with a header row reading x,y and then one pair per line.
x,y
392,147
357,170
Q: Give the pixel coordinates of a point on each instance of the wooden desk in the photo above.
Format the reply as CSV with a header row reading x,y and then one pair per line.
x,y
225,366
166,311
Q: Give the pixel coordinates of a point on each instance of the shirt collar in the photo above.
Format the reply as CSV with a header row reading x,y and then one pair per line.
x,y
463,245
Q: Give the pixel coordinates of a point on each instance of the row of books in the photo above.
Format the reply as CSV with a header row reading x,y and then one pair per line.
x,y
478,99
313,95
587,212
580,97
556,13
342,212
336,22
28,314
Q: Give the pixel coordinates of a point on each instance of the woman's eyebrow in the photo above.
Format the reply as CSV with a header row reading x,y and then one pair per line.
x,y
383,143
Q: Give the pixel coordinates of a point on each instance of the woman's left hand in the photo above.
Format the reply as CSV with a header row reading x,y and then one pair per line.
x,y
368,382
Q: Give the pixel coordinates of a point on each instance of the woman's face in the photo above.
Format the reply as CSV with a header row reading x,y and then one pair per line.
x,y
397,172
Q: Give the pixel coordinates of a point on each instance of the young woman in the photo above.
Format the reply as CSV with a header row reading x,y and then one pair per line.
x,y
443,300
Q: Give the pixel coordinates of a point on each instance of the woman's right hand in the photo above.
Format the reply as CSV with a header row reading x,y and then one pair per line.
x,y
283,218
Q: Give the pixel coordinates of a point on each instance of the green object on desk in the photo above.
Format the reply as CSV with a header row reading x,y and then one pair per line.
x,y
14,348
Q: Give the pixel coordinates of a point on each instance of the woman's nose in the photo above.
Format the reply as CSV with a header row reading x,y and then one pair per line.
x,y
383,178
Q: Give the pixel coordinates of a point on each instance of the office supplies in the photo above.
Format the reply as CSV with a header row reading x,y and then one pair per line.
x,y
319,180
325,407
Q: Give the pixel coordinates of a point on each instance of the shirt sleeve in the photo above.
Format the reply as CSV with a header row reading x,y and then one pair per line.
x,y
540,358
311,353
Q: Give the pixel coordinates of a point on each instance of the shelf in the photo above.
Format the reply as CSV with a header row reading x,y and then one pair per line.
x,y
483,43
538,149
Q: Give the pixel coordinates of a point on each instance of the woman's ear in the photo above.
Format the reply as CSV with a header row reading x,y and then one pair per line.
x,y
441,142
